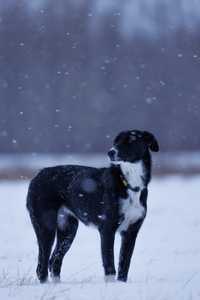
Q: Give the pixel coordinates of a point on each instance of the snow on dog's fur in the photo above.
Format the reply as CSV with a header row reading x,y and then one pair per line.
x,y
112,199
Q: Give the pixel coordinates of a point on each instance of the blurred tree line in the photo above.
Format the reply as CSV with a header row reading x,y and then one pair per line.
x,y
69,83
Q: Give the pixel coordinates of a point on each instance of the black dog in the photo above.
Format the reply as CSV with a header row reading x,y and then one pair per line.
x,y
113,199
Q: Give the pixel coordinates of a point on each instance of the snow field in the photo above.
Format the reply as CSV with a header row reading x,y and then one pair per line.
x,y
165,264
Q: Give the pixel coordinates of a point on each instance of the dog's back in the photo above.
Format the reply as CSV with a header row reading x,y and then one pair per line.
x,y
81,189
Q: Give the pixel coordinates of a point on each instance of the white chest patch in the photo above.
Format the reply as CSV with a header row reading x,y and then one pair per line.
x,y
131,208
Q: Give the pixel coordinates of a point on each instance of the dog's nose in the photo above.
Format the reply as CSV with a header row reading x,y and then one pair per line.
x,y
111,153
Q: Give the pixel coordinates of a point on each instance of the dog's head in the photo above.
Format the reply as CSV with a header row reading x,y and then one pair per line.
x,y
131,146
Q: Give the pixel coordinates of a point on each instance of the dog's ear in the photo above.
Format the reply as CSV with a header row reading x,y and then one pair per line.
x,y
151,141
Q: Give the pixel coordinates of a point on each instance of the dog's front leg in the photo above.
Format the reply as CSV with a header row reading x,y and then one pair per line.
x,y
126,251
107,251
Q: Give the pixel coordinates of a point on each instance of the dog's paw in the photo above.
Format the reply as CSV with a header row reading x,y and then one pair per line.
x,y
109,278
55,279
122,279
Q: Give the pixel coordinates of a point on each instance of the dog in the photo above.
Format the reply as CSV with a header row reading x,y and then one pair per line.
x,y
113,199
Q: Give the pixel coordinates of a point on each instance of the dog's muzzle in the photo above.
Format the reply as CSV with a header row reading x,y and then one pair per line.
x,y
112,153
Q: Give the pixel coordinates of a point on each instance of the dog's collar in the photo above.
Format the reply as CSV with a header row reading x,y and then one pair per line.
x,y
135,189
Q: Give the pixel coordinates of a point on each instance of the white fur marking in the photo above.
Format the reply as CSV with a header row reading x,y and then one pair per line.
x,y
133,173
62,217
131,208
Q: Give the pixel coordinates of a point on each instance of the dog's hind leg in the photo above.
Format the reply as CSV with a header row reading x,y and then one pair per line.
x,y
65,236
43,214
45,237
45,229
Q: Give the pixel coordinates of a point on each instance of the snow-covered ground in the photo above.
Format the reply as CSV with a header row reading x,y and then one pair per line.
x,y
166,262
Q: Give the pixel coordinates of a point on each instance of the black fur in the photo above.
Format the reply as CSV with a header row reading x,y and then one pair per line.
x,y
91,195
